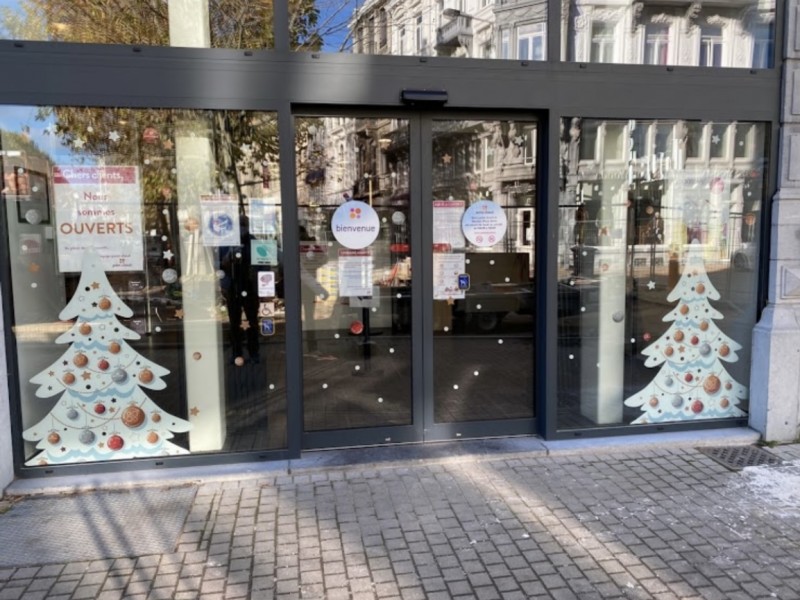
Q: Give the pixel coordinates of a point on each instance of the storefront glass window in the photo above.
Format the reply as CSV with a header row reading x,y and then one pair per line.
x,y
188,23
146,279
471,28
657,274
722,34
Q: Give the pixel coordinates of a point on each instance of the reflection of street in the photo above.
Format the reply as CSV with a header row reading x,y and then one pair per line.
x,y
350,392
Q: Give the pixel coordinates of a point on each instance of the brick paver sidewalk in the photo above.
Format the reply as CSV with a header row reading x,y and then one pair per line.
x,y
665,524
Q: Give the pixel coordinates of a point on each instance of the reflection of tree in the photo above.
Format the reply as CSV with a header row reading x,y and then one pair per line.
x,y
233,23
244,144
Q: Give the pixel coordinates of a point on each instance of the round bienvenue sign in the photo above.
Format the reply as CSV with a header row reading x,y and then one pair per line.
x,y
355,224
484,224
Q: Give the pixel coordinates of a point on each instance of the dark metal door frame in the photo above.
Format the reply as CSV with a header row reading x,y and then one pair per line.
x,y
423,427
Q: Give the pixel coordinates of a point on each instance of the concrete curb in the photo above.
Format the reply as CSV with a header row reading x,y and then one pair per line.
x,y
466,451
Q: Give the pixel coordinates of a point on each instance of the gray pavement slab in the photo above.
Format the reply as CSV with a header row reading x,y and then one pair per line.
x,y
628,521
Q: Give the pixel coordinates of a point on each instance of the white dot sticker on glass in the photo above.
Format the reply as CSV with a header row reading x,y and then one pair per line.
x,y
34,285
324,386
158,329
491,262
336,336
357,367
455,386
272,386
508,279
380,400
572,357
478,306
476,373
499,341
391,350
445,329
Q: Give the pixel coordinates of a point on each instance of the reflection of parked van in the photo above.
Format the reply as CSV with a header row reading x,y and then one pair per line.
x,y
499,284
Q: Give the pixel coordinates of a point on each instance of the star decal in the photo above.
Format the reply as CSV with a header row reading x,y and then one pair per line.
x,y
78,143
86,375
651,285
179,313
34,267
450,301
168,145
94,304
168,254
51,373
715,139
95,285
519,140
446,159
194,411
114,136
245,325
681,348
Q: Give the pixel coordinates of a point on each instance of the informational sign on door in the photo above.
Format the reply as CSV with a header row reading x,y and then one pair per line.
x,y
447,215
99,209
266,284
447,269
484,224
220,216
355,225
263,252
264,215
355,272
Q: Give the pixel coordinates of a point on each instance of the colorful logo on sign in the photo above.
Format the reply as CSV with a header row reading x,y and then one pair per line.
x,y
355,225
220,224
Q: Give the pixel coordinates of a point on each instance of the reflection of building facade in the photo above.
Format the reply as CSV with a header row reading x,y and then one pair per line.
x,y
733,34
663,180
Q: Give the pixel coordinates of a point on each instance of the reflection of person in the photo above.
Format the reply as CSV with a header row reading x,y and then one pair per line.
x,y
240,292
310,287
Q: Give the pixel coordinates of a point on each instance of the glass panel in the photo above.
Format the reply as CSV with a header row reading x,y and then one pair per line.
x,y
146,282
733,34
656,275
354,212
483,259
510,29
192,23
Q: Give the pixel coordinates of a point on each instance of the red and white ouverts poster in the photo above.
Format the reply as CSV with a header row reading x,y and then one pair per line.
x,y
99,208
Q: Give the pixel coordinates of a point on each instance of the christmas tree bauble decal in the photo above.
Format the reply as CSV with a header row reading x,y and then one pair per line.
x,y
96,377
692,382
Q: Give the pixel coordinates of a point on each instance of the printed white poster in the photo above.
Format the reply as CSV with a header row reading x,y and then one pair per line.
x,y
355,272
447,216
264,216
99,209
446,269
220,218
484,224
266,284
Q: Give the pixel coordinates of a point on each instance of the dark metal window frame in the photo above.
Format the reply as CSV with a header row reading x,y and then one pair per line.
x,y
45,73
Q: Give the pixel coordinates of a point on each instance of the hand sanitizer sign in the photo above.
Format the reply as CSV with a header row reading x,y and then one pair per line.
x,y
355,225
484,224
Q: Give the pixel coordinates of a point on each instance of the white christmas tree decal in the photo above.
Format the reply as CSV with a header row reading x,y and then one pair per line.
x,y
104,413
692,382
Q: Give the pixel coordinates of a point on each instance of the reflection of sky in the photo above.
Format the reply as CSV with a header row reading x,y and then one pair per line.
x,y
334,16
23,120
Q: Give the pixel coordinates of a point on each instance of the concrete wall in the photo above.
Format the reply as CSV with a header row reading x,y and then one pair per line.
x,y
6,458
775,399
